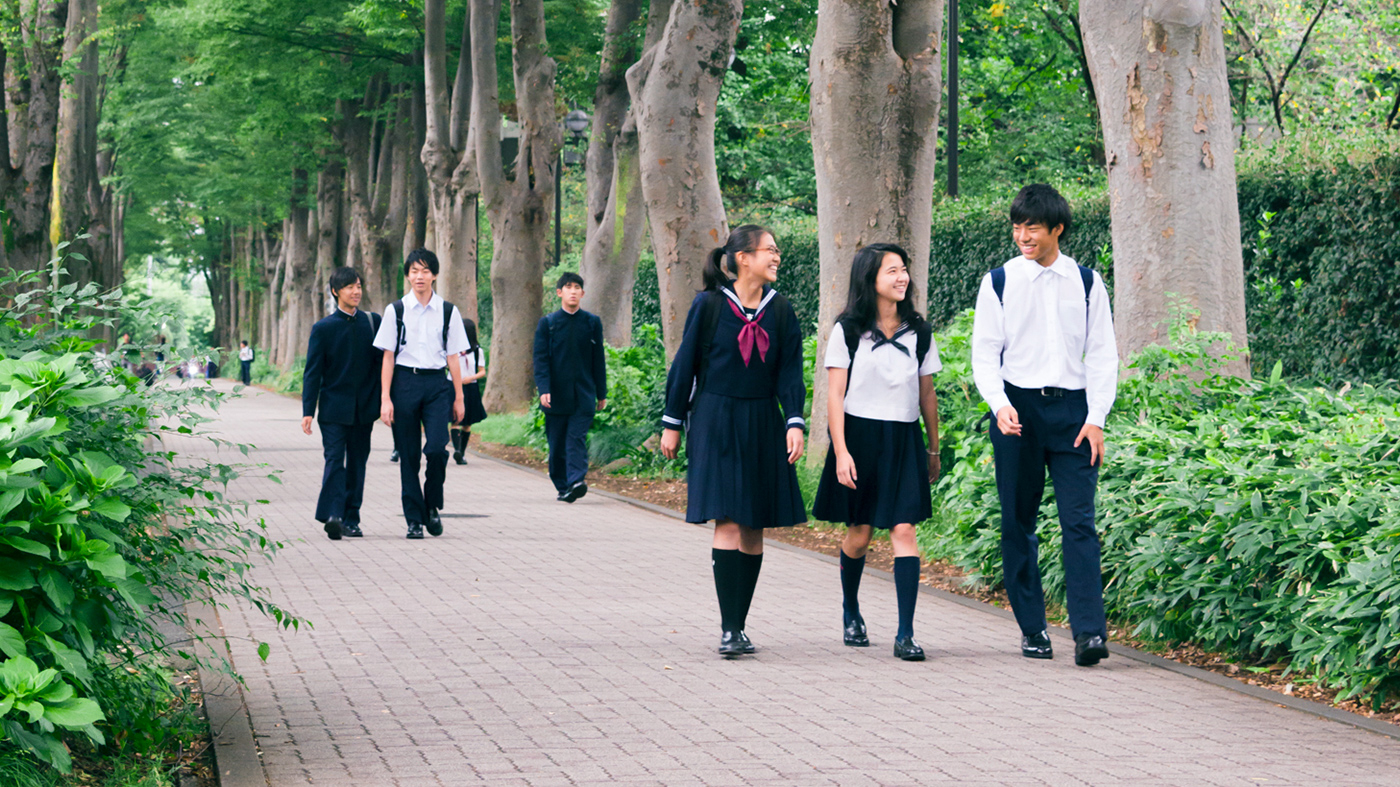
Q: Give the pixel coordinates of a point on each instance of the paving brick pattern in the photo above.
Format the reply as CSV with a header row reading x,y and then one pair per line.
x,y
537,643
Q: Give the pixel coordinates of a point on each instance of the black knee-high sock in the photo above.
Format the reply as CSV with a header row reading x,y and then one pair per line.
x,y
457,442
750,566
466,438
851,570
728,581
906,588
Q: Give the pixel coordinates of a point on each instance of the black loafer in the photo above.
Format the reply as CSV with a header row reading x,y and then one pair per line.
x,y
415,530
434,523
735,643
459,459
745,643
351,530
575,492
1037,646
855,635
333,528
394,457
907,649
1089,649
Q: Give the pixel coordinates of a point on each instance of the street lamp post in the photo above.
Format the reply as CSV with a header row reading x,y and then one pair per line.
x,y
576,123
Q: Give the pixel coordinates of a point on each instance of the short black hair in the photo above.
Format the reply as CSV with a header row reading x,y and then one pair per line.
x,y
567,278
421,255
1041,204
343,277
245,341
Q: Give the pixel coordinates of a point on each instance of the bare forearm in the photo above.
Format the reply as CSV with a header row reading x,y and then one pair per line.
x,y
386,376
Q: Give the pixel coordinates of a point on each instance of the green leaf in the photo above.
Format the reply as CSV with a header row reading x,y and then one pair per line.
x,y
1277,373
86,397
109,564
74,713
112,508
9,499
11,641
57,587
264,650
26,545
71,660
14,575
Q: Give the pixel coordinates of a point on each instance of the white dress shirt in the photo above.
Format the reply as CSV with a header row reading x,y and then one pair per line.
x,y
245,354
885,383
1044,335
422,326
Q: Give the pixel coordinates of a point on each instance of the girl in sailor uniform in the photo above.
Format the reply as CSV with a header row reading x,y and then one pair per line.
x,y
736,388
472,371
877,472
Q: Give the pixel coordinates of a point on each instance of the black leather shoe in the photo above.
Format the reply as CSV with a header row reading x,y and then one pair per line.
x,y
415,530
1037,646
351,530
561,497
908,649
575,492
1089,649
745,643
434,523
855,635
459,458
333,528
394,457
735,643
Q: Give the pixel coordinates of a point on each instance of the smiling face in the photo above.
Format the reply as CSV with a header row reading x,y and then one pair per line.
x,y
1037,242
892,279
348,297
421,279
762,261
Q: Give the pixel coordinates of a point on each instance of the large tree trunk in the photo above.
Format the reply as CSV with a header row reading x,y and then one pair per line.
x,y
330,196
301,273
76,146
449,161
377,196
519,208
875,94
674,88
1160,71
613,183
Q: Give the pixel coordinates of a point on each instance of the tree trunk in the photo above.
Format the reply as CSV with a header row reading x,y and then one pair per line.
x,y
519,208
449,162
76,145
613,240
674,88
369,182
875,96
301,272
330,195
1165,104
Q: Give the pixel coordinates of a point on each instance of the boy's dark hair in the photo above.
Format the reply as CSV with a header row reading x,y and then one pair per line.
x,y
1041,204
567,278
421,255
244,342
341,278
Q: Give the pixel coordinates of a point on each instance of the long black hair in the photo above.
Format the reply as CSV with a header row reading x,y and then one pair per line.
x,y
743,238
470,327
862,302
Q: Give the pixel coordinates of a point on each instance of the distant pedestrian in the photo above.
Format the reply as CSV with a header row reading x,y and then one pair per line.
x,y
880,362
422,337
342,381
741,356
1045,359
473,369
571,374
245,361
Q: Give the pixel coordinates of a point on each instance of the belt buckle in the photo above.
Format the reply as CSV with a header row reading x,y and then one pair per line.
x,y
1052,391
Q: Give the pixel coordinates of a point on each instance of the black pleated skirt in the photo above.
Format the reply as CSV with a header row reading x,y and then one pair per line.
x,y
738,467
471,399
891,476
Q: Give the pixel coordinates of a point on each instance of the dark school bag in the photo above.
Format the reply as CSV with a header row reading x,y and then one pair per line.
x,y
402,335
923,340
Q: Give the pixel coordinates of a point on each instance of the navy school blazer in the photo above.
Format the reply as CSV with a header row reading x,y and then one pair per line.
x,y
570,363
342,369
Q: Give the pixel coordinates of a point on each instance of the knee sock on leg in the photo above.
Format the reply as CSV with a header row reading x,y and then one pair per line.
x,y
750,565
466,438
851,570
906,588
728,580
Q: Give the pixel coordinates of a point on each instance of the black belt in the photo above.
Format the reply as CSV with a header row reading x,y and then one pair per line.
x,y
1049,390
415,370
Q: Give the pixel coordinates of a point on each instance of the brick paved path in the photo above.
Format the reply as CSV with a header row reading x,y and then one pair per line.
x,y
545,644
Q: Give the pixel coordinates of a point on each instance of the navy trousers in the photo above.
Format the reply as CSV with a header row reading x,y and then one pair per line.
x,y
1049,425
346,450
568,447
246,372
422,406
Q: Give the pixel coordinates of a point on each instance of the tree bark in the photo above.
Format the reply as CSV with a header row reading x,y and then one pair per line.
x,y
613,183
519,208
876,86
330,195
449,162
674,88
1165,106
76,147
370,184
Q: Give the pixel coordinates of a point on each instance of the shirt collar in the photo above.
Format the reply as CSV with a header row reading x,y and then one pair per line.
x,y
768,293
1063,266
434,303
344,314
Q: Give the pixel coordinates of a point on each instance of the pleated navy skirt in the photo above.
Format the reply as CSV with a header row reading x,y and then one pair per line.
x,y
738,467
471,400
891,476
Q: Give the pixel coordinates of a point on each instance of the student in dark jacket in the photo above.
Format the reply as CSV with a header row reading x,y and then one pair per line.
x,y
572,377
741,354
342,381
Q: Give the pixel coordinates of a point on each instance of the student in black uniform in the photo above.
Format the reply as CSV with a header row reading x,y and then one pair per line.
x,y
880,362
422,338
342,377
472,371
741,355
571,374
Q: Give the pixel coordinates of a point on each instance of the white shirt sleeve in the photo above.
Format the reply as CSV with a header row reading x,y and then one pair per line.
x,y
837,355
1100,356
988,340
932,363
457,341
388,336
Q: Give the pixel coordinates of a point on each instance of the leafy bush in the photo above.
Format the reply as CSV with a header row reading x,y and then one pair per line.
x,y
1256,517
100,533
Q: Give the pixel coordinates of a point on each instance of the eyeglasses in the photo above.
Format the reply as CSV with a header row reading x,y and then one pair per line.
x,y
770,249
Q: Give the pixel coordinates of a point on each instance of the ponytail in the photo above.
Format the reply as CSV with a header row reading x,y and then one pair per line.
x,y
743,238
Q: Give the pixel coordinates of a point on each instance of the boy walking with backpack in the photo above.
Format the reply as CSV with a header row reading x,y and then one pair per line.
x,y
422,336
572,377
1045,359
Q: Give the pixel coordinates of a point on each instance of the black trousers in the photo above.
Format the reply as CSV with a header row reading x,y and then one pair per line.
x,y
568,447
246,372
1049,426
421,402
346,450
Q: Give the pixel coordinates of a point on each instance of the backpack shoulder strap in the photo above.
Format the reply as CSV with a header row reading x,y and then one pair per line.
x,y
447,311
1087,276
709,323
851,333
999,284
400,336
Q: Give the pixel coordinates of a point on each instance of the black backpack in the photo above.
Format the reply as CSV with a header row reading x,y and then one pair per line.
x,y
923,340
402,335
1085,275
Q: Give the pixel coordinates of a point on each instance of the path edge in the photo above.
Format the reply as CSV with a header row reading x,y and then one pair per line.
x,y
1310,707
237,762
